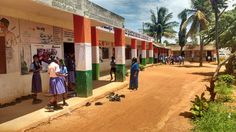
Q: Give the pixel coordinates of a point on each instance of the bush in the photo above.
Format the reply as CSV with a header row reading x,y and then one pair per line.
x,y
218,118
228,79
141,67
199,107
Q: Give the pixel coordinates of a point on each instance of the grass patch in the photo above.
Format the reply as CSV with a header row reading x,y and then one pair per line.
x,y
218,118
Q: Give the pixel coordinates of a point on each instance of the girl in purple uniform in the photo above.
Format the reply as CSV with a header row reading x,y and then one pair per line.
x,y
36,79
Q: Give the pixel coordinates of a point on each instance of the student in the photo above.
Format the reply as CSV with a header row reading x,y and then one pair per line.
x,y
113,67
64,79
56,85
71,71
36,79
133,85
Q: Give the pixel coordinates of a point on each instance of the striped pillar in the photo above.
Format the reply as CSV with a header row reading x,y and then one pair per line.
x,y
95,54
155,55
150,53
83,59
120,54
144,56
133,48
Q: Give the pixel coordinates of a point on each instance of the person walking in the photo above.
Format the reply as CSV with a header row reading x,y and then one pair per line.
x,y
113,67
36,79
56,85
133,85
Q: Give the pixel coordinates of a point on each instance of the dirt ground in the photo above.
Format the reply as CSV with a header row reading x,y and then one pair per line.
x,y
161,103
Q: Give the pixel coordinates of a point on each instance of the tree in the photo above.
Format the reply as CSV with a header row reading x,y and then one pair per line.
x,y
227,35
182,30
216,6
199,22
160,25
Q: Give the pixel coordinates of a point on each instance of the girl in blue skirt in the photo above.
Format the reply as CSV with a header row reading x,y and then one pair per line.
x,y
36,79
64,79
133,85
56,84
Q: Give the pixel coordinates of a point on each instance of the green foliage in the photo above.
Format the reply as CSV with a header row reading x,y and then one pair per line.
x,y
228,79
141,67
218,118
223,91
161,24
199,107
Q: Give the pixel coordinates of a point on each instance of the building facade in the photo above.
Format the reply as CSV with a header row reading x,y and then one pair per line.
x,y
57,28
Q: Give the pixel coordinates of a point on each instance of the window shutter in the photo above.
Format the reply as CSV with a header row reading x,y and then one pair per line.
x,y
3,68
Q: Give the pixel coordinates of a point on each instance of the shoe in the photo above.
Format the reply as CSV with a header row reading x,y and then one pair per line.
x,y
65,104
57,107
36,101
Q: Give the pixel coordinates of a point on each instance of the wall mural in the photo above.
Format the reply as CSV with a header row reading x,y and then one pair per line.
x,y
10,30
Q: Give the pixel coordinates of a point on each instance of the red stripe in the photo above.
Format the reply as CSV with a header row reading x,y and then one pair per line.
x,y
150,46
119,37
133,44
94,35
143,43
82,29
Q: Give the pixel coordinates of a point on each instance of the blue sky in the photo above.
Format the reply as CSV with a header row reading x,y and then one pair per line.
x,y
136,12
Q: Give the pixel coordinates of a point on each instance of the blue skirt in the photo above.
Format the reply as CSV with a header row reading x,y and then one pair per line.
x,y
36,83
57,86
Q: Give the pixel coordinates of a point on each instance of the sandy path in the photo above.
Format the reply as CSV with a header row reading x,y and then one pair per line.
x,y
160,104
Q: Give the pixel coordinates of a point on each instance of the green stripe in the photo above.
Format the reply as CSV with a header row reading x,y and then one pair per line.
x,y
96,71
84,87
150,60
144,61
120,72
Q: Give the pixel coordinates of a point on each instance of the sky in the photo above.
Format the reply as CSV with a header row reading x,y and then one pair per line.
x,y
136,12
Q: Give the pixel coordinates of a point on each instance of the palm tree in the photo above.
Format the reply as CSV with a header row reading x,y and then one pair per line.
x,y
160,24
182,30
198,21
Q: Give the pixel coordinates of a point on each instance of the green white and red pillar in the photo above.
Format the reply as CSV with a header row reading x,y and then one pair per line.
x,y
83,59
155,55
144,54
133,48
95,54
119,35
150,53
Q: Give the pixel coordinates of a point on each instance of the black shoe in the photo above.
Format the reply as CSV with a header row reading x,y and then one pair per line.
x,y
57,107
36,101
65,104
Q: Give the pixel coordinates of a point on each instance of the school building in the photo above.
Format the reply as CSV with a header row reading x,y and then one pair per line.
x,y
192,52
58,27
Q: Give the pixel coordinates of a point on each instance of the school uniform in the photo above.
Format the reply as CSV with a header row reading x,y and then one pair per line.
x,y
36,78
56,84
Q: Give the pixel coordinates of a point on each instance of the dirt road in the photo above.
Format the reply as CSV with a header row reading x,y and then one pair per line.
x,y
161,104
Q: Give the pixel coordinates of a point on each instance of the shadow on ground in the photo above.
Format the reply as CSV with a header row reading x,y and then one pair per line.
x,y
186,114
192,66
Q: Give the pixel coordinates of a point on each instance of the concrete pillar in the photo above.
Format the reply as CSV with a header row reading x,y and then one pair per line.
x,y
83,59
133,48
155,55
120,54
144,54
150,53
95,54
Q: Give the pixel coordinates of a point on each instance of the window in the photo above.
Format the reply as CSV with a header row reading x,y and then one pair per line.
x,y
128,52
3,67
105,53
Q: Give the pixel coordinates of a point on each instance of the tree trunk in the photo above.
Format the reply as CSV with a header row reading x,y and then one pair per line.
x,y
230,65
211,89
181,50
201,52
217,36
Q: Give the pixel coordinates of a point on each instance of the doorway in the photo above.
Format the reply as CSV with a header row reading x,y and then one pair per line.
x,y
69,48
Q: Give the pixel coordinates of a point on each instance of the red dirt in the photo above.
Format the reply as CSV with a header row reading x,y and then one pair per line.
x,y
161,104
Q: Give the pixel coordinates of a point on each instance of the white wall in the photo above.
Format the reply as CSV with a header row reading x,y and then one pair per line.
x,y
15,85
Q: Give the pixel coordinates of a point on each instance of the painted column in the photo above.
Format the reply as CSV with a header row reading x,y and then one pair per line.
x,y
133,48
155,55
120,54
144,54
83,59
150,53
95,54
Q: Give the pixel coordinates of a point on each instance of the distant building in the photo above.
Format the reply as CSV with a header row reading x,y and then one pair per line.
x,y
192,52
